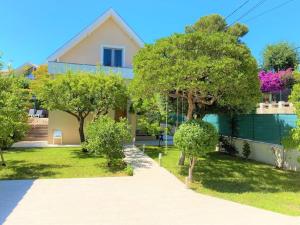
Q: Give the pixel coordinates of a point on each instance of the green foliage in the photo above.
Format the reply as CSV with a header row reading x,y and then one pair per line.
x,y
196,138
13,111
227,147
216,23
205,68
246,150
281,56
106,136
62,162
80,93
212,23
129,170
247,182
151,112
293,139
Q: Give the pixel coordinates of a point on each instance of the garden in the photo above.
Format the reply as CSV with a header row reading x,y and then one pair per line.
x,y
38,163
209,69
236,179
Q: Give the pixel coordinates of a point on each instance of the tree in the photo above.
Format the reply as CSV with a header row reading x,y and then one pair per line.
x,y
281,56
41,75
207,66
13,115
106,136
195,138
80,94
152,113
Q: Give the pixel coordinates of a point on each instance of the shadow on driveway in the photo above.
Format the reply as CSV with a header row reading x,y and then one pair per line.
x,y
11,193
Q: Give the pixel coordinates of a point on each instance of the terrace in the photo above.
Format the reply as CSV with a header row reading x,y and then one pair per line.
x,y
62,67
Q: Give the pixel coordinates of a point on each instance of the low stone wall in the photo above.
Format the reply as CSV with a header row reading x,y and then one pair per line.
x,y
262,152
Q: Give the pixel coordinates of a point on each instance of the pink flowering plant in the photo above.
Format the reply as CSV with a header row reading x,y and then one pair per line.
x,y
271,82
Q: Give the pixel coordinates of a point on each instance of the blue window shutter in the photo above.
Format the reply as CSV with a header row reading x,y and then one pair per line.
x,y
118,58
107,60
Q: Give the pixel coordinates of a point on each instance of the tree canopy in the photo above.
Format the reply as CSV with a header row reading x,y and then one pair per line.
x,y
280,56
216,23
207,66
106,136
80,93
195,138
13,111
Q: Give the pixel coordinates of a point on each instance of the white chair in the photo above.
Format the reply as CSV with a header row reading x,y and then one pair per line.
x,y
57,135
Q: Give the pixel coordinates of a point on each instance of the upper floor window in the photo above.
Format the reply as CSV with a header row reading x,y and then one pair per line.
x,y
113,57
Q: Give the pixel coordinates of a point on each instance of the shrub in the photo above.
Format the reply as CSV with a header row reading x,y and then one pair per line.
x,y
246,150
195,138
106,136
227,147
129,170
13,111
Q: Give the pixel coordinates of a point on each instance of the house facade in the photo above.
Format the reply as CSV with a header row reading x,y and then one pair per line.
x,y
109,44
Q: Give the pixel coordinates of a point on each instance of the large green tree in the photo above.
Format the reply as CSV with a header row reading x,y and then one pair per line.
x,y
208,66
280,56
80,94
13,112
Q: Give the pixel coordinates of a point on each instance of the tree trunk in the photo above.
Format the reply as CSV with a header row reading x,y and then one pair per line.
x,y
191,168
189,117
2,158
191,106
81,129
181,159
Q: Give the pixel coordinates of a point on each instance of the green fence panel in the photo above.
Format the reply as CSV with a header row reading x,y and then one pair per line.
x,y
270,128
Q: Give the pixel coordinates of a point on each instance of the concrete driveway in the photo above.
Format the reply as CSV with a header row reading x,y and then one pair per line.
x,y
152,196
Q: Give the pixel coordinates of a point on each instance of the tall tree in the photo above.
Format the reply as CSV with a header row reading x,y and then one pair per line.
x,y
13,112
79,94
281,56
206,67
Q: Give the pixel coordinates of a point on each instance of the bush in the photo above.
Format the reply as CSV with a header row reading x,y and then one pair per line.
x,y
195,138
106,136
246,150
227,147
129,170
13,111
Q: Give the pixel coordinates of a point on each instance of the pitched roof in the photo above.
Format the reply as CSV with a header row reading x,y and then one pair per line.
x,y
84,33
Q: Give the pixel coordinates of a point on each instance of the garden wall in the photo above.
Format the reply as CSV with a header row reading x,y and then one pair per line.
x,y
261,131
262,152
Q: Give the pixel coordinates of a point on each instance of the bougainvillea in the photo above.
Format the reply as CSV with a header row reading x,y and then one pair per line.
x,y
271,82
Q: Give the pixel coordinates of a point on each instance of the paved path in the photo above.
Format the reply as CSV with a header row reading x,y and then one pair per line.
x,y
151,197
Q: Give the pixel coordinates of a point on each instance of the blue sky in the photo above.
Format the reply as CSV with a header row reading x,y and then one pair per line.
x,y
31,30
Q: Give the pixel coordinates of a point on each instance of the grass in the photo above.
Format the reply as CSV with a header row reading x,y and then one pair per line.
x,y
34,163
235,179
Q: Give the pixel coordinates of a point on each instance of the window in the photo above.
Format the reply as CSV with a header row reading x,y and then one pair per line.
x,y
112,57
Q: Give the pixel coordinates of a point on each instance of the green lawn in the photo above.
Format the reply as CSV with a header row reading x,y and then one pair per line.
x,y
33,163
235,179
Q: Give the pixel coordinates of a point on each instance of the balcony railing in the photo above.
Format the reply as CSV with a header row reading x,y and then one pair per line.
x,y
60,67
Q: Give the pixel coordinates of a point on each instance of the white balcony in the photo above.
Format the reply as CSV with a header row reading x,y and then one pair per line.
x,y
60,68
276,108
